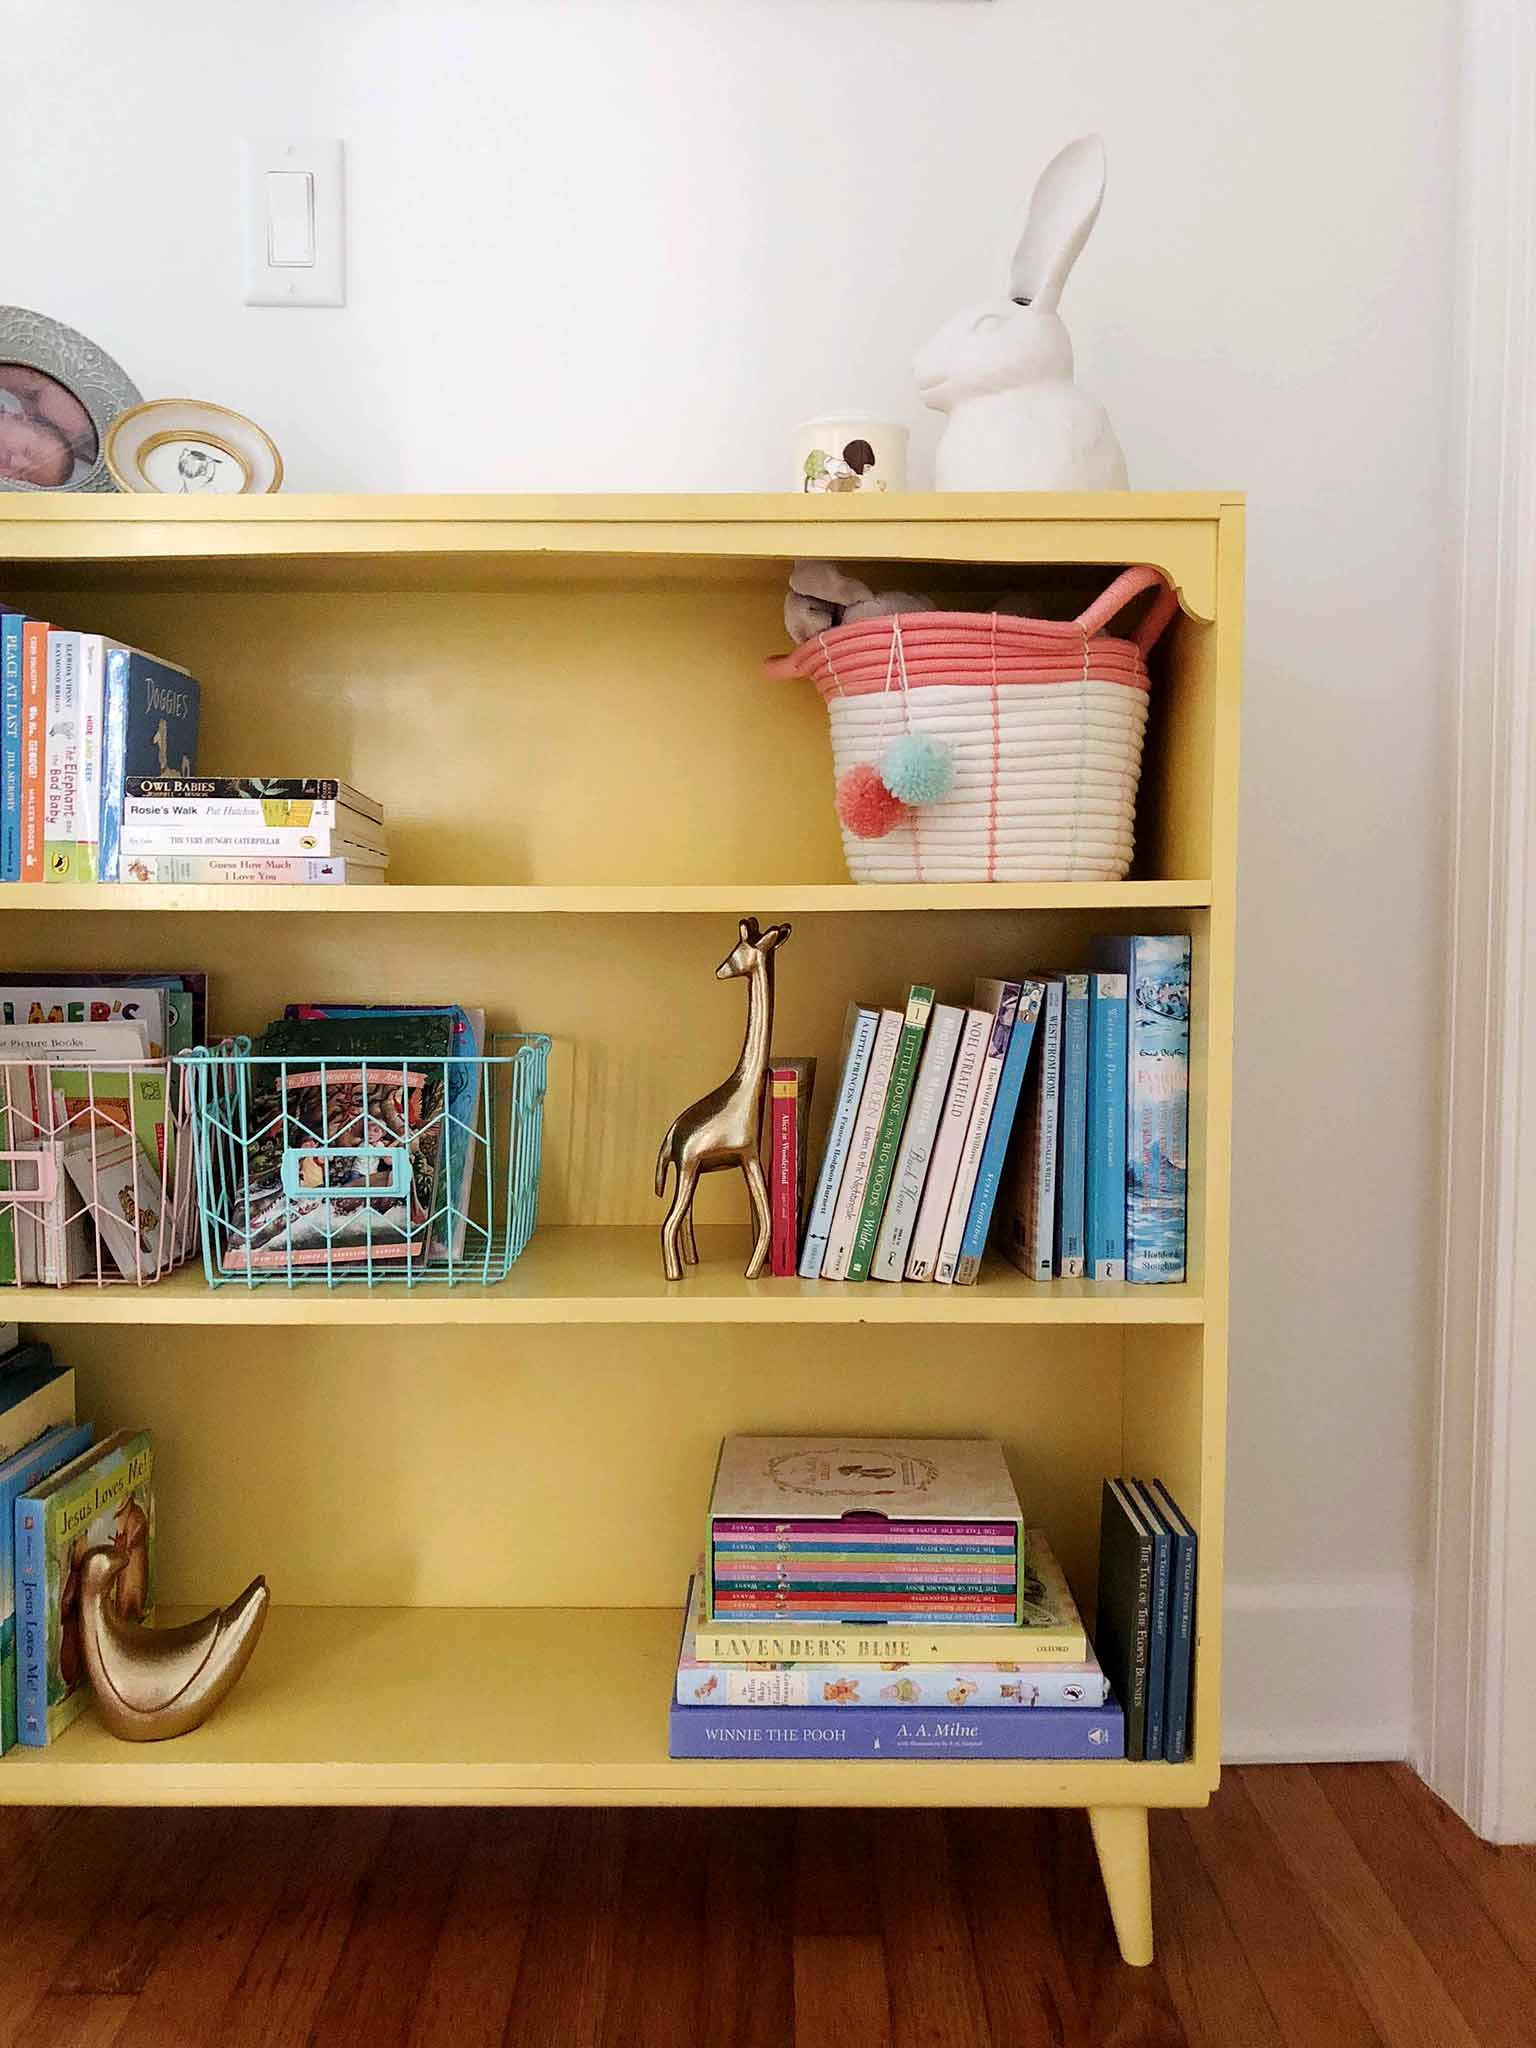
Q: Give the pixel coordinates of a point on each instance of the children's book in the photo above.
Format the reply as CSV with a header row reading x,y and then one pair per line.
x,y
861,1147
34,1398
34,746
1104,1191
105,1497
1000,1000
101,999
1123,1632
1157,1625
859,1027
20,1473
910,1175
989,1174
62,788
790,1082
1029,1233
149,727
1181,1622
92,686
893,1119
948,1144
254,871
353,839
52,1237
1072,1130
273,794
12,625
1157,974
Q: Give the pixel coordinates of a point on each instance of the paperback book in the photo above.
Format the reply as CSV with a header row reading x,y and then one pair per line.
x,y
859,1028
911,1170
1157,973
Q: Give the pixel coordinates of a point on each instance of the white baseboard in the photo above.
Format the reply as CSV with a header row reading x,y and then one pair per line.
x,y
1319,1671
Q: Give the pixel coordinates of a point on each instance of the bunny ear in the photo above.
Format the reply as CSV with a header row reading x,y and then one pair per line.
x,y
1061,216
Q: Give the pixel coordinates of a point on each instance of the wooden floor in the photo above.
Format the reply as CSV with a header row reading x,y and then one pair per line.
x,y
1336,1907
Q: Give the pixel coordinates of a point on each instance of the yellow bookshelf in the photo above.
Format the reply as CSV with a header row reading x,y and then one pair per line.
x,y
588,780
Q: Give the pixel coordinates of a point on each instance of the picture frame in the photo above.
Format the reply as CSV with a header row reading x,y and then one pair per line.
x,y
191,447
59,394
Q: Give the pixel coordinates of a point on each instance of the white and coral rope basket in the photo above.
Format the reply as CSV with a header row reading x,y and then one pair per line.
x,y
1038,724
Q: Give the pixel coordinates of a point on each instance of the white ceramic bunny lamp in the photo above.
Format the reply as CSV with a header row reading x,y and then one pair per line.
x,y
1003,372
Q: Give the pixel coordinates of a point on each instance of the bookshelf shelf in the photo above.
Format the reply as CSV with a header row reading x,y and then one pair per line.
x,y
356,1707
559,689
610,1275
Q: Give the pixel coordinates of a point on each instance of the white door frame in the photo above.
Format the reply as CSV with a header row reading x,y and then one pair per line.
x,y
1481,1648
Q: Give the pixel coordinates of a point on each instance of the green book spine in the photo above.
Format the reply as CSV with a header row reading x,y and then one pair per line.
x,y
908,1048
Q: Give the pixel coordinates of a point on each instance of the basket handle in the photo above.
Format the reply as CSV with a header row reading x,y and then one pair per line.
x,y
399,1182
47,1177
1128,584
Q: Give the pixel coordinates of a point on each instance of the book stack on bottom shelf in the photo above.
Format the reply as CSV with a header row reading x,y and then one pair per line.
x,y
882,1599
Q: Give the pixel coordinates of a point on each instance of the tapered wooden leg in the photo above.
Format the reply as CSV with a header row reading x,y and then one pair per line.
x,y
1120,1837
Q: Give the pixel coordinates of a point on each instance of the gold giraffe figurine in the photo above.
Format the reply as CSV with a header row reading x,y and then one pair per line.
x,y
724,1128
151,1683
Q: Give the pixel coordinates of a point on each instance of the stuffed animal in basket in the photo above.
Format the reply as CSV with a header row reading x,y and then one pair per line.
x,y
1003,371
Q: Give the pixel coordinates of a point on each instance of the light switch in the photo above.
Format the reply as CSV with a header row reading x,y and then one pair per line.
x,y
290,220
294,222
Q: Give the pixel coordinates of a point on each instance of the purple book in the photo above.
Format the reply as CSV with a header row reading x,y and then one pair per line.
x,y
994,1734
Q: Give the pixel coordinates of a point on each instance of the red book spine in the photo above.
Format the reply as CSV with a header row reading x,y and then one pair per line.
x,y
34,741
783,1174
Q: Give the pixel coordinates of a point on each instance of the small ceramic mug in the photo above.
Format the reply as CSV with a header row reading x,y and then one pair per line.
x,y
850,451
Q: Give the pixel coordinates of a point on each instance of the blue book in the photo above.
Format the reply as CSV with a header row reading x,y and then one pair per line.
x,y
149,727
989,1173
1157,1102
858,1042
1181,1622
11,624
1104,1191
1157,1642
1072,1130
18,1475
892,1734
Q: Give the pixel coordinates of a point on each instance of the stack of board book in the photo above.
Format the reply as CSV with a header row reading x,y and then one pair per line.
x,y
894,1678
80,714
1057,1102
252,829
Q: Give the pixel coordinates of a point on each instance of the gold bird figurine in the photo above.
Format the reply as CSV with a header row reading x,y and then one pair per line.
x,y
151,1683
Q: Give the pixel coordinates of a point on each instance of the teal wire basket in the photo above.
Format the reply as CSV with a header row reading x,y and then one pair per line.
x,y
349,1172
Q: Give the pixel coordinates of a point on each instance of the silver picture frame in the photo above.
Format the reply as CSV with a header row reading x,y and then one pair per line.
x,y
88,375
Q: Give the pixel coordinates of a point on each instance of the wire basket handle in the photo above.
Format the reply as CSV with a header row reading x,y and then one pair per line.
x,y
1128,584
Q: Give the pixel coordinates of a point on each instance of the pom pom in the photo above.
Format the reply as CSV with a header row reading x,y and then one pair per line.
x,y
917,770
865,805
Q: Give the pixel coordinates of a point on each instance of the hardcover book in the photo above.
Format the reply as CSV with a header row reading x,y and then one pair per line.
x,y
789,1108
994,1152
276,870
1157,972
910,1175
1029,1235
61,788
859,1027
1105,1185
34,726
12,625
1157,1623
20,1473
948,1144
1000,1000
1181,1622
280,790
892,1122
1072,1127
149,727
873,1734
35,1396
1124,1627
861,1148
106,1496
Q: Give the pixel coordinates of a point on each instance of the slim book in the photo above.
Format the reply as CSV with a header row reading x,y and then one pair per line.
x,y
251,870
790,1083
274,795
893,1121
859,1027
1072,1129
213,840
948,1145
12,627
34,745
910,1174
1157,1626
1105,1174
994,1153
1000,999
61,789
875,1734
1029,1235
1124,1629
93,683
861,1147
1181,1622
1157,972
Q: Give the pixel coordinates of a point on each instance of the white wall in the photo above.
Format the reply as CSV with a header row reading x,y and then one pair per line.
x,y
625,244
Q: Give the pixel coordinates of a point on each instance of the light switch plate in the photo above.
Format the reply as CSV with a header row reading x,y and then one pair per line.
x,y
295,209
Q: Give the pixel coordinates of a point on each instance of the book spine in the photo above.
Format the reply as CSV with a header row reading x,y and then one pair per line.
x,y
1157,1647
31,1625
989,1173
1141,1644
1032,1226
63,766
245,813
987,1085
263,790
87,865
874,1733
34,742
1157,1112
915,1685
861,1148
835,1528
860,1036
1105,1189
1181,1643
12,625
893,1121
736,1642
214,839
280,870
911,1170
948,1146
783,1093
1072,1127
114,748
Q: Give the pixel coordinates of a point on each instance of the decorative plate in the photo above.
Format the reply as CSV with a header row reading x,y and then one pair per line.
x,y
185,447
59,393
